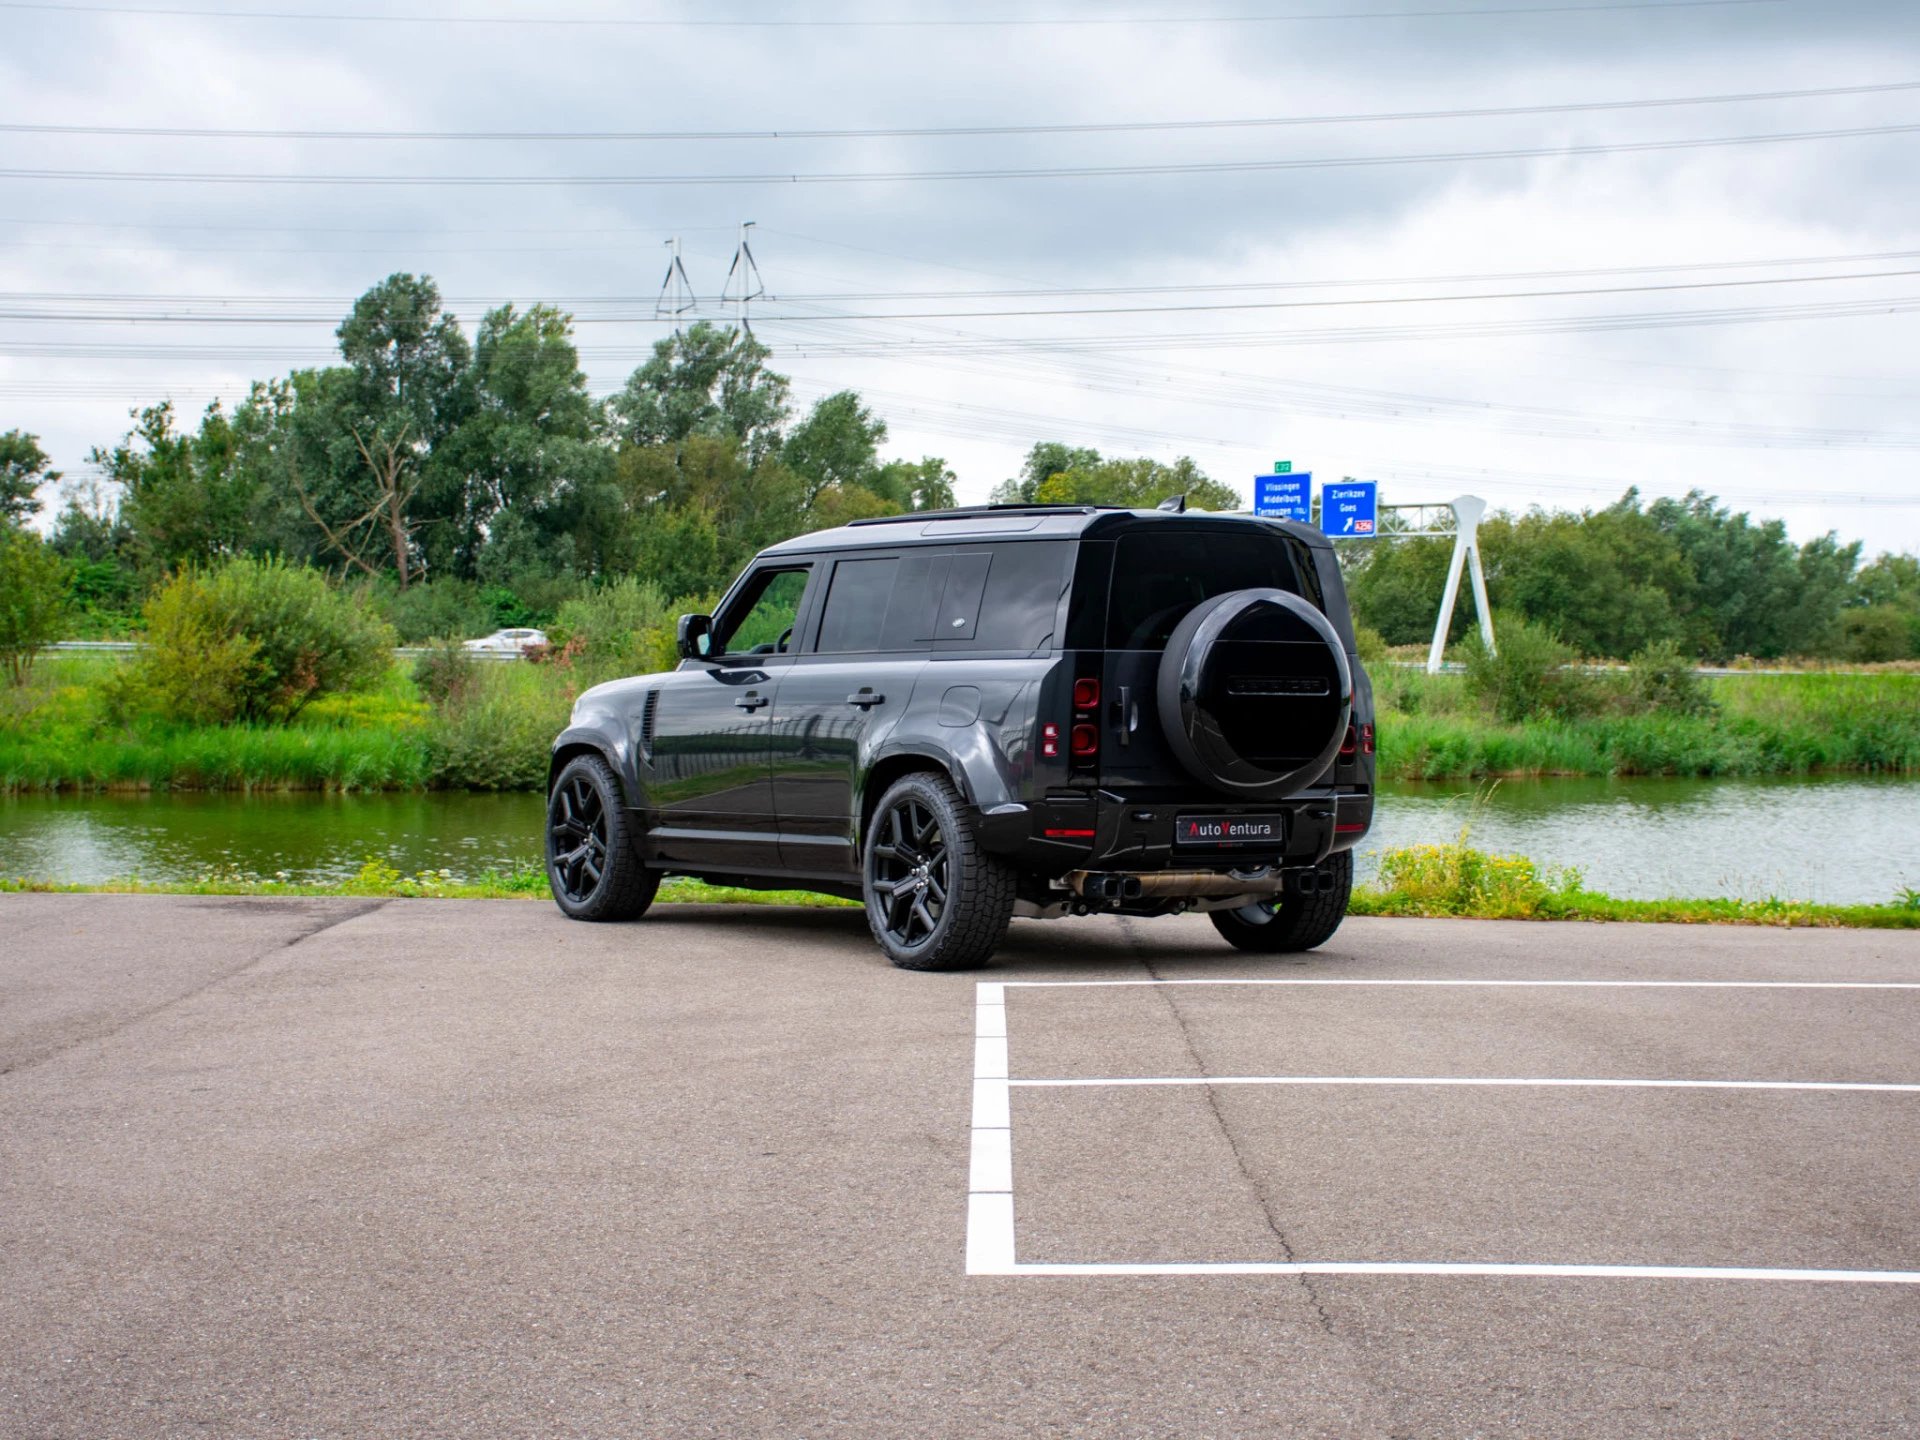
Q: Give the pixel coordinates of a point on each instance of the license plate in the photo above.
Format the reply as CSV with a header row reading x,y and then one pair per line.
x,y
1219,832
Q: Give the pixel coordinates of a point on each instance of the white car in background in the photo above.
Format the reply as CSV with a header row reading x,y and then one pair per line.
x,y
507,643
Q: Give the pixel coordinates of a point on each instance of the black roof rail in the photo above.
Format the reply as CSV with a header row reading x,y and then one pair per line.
x,y
959,511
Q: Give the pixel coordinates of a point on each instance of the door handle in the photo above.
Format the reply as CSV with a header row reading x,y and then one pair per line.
x,y
752,701
866,699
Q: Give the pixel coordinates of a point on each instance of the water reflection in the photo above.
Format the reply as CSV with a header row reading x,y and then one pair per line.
x,y
1830,839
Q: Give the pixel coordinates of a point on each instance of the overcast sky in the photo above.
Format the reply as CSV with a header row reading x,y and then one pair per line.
x,y
1674,370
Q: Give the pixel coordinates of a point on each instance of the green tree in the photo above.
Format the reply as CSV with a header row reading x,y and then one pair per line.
x,y
528,453
1047,459
924,484
1753,591
24,468
1606,583
709,382
838,444
1396,586
33,599
185,498
1139,483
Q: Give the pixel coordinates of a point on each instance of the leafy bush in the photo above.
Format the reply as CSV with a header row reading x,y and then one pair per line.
x,y
33,599
1524,677
439,610
1662,679
1876,633
622,628
1459,880
495,740
446,674
1370,645
255,640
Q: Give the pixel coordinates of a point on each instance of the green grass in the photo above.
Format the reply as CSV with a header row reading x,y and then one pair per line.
x,y
56,733
1429,729
1458,881
1433,881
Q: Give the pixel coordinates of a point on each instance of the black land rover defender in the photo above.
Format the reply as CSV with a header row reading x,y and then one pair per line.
x,y
963,716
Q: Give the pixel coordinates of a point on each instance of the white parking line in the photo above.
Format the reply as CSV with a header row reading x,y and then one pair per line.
x,y
1465,1080
990,1242
1006,985
1440,1267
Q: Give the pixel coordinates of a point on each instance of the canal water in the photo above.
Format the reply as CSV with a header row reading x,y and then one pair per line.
x,y
1832,840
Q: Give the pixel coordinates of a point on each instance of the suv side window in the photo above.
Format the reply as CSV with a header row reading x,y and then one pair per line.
x,y
761,618
856,608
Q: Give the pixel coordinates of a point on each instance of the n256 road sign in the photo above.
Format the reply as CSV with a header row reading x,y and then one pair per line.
x,y
1350,511
1284,497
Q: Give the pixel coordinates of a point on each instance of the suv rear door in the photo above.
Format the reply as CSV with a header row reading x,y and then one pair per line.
x,y
867,648
1160,572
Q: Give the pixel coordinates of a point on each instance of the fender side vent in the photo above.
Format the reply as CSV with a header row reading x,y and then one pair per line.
x,y
1278,685
646,725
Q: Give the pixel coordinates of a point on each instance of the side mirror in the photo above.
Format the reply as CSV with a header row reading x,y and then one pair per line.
x,y
695,636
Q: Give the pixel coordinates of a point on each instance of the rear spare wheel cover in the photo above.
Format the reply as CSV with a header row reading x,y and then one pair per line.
x,y
1255,693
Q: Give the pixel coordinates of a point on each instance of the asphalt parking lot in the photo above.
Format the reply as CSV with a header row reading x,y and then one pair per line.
x,y
359,1168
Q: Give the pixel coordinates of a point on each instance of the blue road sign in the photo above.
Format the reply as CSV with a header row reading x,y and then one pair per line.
x,y
1284,497
1349,511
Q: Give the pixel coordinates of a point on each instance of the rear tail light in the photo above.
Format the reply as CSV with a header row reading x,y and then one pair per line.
x,y
1350,746
1366,739
1086,694
1050,741
1086,741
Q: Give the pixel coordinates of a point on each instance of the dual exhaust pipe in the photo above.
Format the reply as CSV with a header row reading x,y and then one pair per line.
x,y
1110,888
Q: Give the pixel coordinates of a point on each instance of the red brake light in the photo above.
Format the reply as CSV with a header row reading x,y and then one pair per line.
x,y
1050,740
1086,694
1086,740
1351,744
1366,738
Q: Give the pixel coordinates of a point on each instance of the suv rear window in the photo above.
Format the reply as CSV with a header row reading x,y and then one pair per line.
x,y
1159,577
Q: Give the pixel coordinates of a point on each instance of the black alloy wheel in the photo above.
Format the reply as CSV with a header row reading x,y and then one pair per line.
x,y
935,899
593,864
910,871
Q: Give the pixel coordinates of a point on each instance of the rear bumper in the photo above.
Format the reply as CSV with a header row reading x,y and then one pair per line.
x,y
1105,831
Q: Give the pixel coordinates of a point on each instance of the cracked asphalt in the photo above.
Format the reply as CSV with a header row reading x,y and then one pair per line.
x,y
426,1168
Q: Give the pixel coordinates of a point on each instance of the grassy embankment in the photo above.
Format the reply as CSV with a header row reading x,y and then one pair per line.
x,y
57,733
1447,881
1765,724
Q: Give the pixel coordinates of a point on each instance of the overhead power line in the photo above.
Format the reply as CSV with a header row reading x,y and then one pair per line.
x,y
1051,172
171,308
897,132
879,23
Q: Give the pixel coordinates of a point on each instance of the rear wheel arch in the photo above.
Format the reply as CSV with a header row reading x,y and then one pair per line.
x,y
888,771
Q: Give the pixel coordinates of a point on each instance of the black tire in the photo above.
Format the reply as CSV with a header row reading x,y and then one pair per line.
x,y
935,899
593,855
1293,922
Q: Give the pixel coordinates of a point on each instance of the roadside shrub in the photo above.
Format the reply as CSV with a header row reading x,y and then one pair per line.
x,y
1370,645
1878,633
33,599
1660,678
1456,879
446,674
255,640
1523,678
619,628
495,740
438,610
